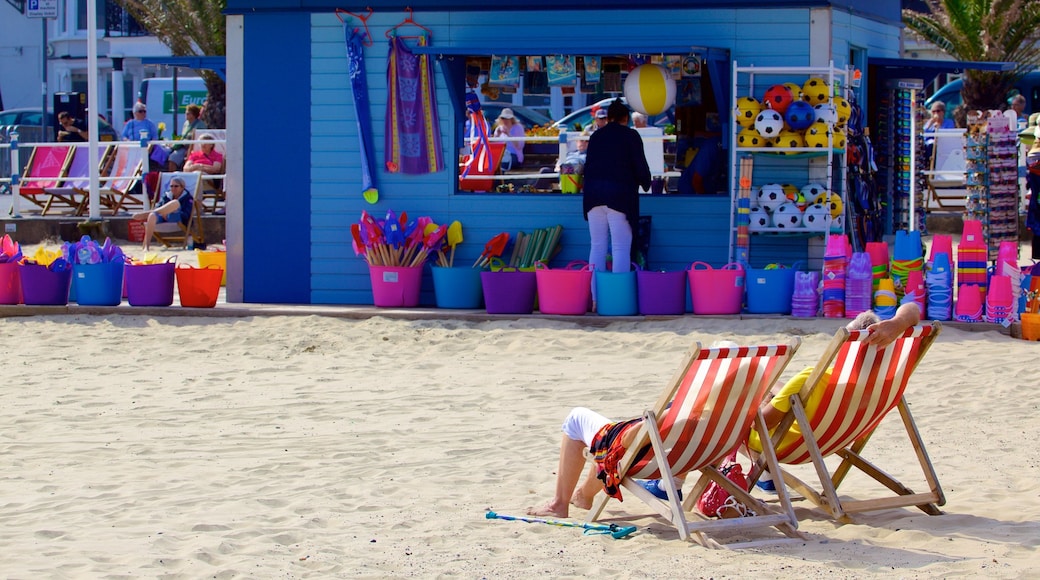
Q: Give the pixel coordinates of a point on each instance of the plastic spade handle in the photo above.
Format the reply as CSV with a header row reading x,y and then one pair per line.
x,y
622,532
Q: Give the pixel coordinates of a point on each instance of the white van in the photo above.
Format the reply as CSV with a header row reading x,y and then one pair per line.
x,y
157,95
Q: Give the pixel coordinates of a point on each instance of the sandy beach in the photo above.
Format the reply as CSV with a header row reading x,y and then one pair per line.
x,y
316,447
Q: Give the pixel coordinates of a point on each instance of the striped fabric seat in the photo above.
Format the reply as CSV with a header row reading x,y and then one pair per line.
x,y
46,166
71,191
866,382
715,397
125,172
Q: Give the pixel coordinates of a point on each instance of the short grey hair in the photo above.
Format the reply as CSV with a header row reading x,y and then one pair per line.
x,y
180,181
864,320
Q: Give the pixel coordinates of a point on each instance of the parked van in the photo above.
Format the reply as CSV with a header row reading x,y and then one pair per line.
x,y
157,94
950,94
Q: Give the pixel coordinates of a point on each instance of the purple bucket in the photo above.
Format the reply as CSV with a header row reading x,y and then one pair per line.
x,y
40,286
509,292
150,284
661,293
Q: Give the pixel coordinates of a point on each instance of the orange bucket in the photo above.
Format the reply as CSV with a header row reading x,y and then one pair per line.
x,y
1030,326
198,287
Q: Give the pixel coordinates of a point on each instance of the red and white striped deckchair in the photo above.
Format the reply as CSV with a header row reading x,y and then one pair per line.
x,y
714,399
865,384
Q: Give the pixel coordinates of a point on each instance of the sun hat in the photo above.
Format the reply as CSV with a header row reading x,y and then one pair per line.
x,y
601,114
506,113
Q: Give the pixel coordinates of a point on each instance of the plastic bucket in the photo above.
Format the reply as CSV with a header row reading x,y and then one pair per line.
x,y
564,290
10,284
457,287
99,284
394,286
616,293
150,284
41,286
1030,326
770,291
508,292
661,293
198,287
716,291
211,258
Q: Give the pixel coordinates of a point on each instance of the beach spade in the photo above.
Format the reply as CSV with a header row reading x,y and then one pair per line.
x,y
492,249
454,239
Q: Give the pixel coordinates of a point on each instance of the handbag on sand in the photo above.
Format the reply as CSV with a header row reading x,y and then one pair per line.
x,y
716,501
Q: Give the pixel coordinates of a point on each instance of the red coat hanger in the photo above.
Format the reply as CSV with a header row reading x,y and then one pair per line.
x,y
364,21
409,21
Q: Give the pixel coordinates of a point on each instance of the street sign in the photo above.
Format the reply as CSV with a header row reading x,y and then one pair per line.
x,y
41,8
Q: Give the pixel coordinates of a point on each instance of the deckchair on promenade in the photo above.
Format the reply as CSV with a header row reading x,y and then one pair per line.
x,y
71,192
46,166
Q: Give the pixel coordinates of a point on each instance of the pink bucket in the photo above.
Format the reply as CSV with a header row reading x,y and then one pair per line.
x,y
564,290
941,243
971,235
10,284
718,291
395,286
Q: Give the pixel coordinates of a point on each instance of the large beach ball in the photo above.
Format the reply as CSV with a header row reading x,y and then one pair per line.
x,y
650,89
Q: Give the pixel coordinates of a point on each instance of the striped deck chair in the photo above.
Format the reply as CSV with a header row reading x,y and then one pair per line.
x,y
714,399
169,233
865,384
72,190
124,173
46,166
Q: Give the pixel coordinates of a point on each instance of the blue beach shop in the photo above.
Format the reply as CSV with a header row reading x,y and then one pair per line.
x,y
315,149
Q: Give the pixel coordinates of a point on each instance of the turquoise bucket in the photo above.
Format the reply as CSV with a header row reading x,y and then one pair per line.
x,y
770,291
616,294
457,287
99,284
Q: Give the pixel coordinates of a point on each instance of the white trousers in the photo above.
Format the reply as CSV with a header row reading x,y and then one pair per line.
x,y
604,221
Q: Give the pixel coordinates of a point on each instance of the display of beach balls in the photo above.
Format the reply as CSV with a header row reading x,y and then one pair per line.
x,y
650,89
811,191
796,90
771,195
760,218
844,110
816,216
800,115
794,195
832,203
749,137
826,113
790,139
817,135
778,98
787,215
747,109
839,138
815,91
769,123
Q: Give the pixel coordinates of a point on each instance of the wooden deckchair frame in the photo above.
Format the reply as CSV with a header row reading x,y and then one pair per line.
x,y
728,421
73,190
169,233
826,497
947,169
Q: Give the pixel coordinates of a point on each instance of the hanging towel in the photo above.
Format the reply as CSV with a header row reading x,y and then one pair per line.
x,y
359,89
413,137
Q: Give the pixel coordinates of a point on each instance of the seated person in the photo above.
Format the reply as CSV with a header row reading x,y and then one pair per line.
x,y
507,125
207,160
178,151
72,130
140,123
174,206
584,428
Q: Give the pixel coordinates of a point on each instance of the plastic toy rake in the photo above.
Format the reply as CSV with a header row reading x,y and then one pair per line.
x,y
617,532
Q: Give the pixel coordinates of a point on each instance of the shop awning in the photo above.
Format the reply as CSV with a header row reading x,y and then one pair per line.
x,y
217,64
927,70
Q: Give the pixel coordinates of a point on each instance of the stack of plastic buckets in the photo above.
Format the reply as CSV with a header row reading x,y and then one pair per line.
x,y
805,300
885,300
907,258
834,266
939,279
1007,265
879,258
858,285
972,256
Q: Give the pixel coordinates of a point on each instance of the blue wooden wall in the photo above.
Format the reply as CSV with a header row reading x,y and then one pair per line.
x,y
326,183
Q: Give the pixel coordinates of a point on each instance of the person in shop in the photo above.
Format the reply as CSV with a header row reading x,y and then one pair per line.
x,y
584,428
615,169
507,125
1033,184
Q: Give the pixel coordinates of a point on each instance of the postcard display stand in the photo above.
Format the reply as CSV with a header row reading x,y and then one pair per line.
x,y
897,153
792,167
992,177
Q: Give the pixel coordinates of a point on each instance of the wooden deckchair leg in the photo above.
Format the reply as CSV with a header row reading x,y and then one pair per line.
x,y
830,494
769,454
678,517
922,458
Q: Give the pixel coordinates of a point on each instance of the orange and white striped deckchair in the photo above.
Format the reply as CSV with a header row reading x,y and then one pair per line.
x,y
865,383
705,413
46,166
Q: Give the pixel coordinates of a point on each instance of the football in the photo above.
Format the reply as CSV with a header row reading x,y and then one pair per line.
x,y
818,135
813,190
800,115
791,139
816,216
839,139
814,91
833,203
826,113
778,97
844,109
749,137
747,109
760,218
771,195
787,215
769,123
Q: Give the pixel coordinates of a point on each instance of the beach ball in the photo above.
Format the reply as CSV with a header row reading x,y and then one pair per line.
x,y
790,139
787,215
815,92
760,218
839,138
844,110
816,216
769,123
747,109
818,135
750,138
799,115
771,196
650,89
826,113
778,98
832,202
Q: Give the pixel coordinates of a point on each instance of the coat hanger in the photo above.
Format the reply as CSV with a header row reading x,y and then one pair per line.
x,y
409,21
367,41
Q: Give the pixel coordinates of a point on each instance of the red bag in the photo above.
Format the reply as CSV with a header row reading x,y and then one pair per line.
x,y
716,501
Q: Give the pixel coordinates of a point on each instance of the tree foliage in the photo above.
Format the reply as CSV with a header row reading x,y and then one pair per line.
x,y
983,30
189,28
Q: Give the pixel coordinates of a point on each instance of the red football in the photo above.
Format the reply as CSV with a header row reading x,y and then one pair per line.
x,y
778,98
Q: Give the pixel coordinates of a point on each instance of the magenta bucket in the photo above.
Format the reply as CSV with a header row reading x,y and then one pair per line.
x,y
10,284
565,290
393,286
716,291
509,292
42,287
661,293
150,284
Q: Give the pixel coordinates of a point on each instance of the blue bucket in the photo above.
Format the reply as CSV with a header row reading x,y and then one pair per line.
x,y
99,284
457,287
616,294
769,291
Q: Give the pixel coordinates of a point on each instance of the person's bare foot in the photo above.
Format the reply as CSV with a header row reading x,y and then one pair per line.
x,y
549,509
580,501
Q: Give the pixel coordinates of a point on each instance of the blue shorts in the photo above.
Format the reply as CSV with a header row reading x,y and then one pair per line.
x,y
174,217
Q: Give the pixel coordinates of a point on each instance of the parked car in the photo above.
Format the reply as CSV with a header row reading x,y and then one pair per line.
x,y
582,117
527,116
24,116
950,94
